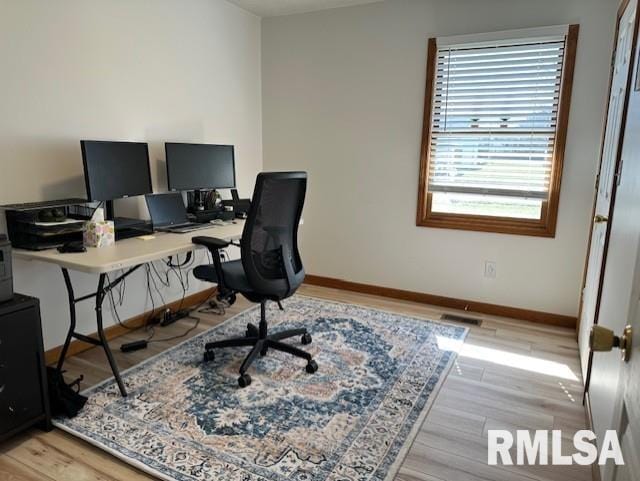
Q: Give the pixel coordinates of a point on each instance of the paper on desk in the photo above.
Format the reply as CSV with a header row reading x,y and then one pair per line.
x,y
62,222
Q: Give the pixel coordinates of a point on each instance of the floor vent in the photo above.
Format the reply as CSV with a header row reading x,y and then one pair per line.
x,y
466,320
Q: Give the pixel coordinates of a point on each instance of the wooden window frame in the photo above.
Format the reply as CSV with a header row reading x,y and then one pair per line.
x,y
543,227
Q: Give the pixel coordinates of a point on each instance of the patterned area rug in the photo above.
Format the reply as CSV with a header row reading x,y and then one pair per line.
x,y
352,420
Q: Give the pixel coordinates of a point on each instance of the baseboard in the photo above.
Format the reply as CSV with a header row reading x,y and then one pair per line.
x,y
116,330
450,302
76,347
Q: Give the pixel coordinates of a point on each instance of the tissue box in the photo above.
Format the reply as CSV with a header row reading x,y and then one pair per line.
x,y
99,233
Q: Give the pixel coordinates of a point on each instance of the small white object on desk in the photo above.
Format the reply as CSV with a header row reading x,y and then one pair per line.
x,y
98,232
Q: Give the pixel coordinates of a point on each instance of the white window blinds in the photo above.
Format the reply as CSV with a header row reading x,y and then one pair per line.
x,y
494,117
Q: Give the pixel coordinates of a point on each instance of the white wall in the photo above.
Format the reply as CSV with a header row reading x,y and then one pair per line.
x,y
146,70
343,94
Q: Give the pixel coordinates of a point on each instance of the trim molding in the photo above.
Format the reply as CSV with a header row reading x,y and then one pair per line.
x,y
595,468
545,226
450,302
76,347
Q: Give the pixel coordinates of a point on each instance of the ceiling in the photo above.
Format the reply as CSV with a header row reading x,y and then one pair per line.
x,y
271,8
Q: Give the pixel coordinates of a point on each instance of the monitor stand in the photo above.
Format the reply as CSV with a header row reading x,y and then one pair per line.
x,y
127,223
199,200
125,227
128,233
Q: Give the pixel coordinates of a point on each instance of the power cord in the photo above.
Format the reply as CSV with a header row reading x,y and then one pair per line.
x,y
150,340
112,304
169,317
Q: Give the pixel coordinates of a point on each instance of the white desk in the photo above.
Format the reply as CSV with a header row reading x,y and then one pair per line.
x,y
129,254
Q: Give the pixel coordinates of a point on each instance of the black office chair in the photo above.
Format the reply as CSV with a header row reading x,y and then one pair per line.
x,y
270,268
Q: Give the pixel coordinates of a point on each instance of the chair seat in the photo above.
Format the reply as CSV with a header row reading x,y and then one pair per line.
x,y
234,276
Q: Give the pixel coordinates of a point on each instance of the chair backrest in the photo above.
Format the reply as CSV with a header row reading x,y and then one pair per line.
x,y
269,245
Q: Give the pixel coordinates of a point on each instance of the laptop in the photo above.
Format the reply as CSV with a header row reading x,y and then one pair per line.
x,y
168,214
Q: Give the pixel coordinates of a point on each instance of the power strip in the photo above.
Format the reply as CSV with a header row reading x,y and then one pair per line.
x,y
134,346
169,317
166,319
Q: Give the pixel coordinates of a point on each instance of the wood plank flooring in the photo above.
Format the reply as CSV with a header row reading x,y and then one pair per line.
x,y
509,375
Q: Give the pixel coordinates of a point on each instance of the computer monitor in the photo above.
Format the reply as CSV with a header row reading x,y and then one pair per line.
x,y
113,170
200,166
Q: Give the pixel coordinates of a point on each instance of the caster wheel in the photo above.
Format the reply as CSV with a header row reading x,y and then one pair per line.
x,y
263,352
312,366
231,299
244,380
209,356
306,339
252,331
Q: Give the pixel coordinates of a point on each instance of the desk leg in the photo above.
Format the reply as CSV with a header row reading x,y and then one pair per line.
x,y
72,318
100,293
102,339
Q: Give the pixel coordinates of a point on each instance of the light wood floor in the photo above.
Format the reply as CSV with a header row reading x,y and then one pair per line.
x,y
509,375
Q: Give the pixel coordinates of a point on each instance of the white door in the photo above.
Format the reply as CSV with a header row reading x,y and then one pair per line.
x,y
614,390
628,412
606,177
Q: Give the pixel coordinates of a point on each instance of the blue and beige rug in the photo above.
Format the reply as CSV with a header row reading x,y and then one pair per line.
x,y
352,420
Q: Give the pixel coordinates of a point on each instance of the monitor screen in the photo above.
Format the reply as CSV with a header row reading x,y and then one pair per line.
x,y
200,166
113,170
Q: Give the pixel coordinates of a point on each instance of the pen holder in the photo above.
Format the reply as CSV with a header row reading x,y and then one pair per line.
x,y
99,233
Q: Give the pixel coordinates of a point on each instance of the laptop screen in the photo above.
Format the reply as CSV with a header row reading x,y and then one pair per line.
x,y
167,209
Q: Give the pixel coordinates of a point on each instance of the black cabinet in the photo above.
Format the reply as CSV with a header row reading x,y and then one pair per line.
x,y
23,386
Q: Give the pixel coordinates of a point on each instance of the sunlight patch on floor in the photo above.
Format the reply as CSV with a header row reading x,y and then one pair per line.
x,y
506,358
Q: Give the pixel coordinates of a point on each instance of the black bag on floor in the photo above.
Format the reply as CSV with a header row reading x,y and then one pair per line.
x,y
65,399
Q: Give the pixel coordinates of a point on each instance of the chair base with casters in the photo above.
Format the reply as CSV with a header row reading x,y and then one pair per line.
x,y
261,341
256,337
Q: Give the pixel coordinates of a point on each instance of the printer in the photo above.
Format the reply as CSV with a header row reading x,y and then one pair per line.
x,y
46,225
6,276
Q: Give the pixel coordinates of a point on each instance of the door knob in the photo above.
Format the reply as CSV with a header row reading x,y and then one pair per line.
x,y
602,339
600,218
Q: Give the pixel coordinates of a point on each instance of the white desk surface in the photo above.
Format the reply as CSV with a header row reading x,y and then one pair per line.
x,y
130,252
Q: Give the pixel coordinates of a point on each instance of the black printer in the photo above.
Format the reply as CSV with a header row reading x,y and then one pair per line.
x,y
46,225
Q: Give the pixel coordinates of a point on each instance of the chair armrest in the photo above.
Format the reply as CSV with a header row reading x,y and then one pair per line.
x,y
211,243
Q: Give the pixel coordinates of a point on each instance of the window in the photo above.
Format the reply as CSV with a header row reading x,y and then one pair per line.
x,y
495,123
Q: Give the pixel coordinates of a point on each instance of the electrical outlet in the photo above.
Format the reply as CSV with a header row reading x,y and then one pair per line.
x,y
490,269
